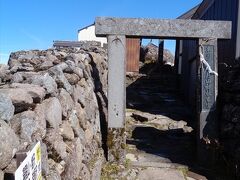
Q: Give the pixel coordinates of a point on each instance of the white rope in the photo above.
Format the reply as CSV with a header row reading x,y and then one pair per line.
x,y
208,67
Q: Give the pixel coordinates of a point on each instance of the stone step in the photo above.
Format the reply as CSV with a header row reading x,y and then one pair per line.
x,y
158,165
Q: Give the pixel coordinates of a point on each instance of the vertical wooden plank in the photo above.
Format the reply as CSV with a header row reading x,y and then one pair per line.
x,y
207,95
116,97
133,54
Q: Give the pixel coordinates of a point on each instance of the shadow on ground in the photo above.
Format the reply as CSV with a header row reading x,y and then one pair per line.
x,y
157,93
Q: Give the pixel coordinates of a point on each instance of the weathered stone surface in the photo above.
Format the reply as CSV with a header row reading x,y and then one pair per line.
x,y
41,85
6,107
96,171
53,111
72,78
74,161
12,166
66,131
29,126
8,146
44,159
53,175
66,102
4,73
57,147
160,174
45,81
116,142
174,28
57,73
84,173
20,98
116,89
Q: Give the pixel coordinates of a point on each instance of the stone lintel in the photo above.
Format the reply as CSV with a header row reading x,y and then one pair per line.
x,y
163,28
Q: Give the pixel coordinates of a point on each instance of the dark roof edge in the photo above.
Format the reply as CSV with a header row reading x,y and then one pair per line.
x,y
189,13
86,26
204,6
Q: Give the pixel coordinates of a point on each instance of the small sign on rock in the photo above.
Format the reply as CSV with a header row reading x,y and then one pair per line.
x,y
30,168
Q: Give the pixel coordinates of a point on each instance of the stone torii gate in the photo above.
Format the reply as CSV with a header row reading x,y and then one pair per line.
x,y
117,29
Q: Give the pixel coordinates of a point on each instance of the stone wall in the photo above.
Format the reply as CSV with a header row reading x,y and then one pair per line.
x,y
229,98
57,97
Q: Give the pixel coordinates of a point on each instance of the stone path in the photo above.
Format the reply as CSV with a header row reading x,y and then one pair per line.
x,y
160,132
160,129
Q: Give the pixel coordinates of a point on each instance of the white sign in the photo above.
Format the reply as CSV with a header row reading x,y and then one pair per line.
x,y
30,168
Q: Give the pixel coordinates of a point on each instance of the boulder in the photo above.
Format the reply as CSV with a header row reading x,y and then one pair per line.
x,y
74,161
23,96
55,144
6,107
66,102
29,126
66,131
46,81
57,73
53,112
8,146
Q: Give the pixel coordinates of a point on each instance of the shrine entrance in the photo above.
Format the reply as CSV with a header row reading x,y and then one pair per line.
x,y
206,34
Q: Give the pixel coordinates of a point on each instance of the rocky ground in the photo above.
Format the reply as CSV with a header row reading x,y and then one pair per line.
x,y
160,136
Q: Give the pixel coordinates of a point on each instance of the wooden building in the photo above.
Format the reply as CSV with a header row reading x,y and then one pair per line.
x,y
228,50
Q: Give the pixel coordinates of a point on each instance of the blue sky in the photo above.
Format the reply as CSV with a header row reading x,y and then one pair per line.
x,y
34,24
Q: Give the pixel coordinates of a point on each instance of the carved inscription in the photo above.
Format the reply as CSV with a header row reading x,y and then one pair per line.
x,y
208,80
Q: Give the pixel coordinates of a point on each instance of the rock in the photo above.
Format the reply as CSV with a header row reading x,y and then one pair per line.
x,y
57,73
181,124
8,146
131,157
46,81
160,174
36,92
78,95
53,112
20,98
89,132
74,161
66,102
12,166
57,148
75,124
44,159
66,131
29,126
6,107
4,72
96,170
72,78
142,116
23,96
84,173
53,175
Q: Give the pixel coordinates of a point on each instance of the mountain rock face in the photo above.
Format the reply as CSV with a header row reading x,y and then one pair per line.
x,y
149,53
54,96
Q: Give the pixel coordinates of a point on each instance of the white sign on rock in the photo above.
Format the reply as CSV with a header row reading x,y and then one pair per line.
x,y
30,168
